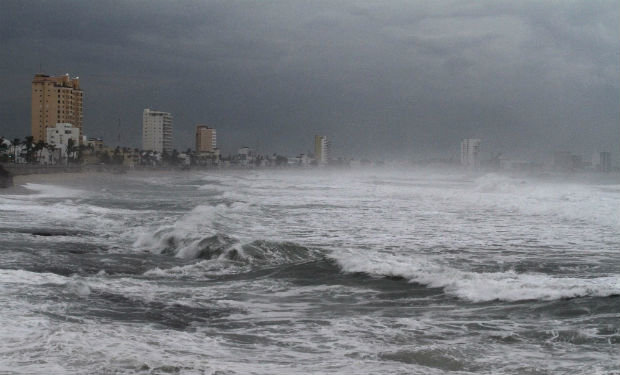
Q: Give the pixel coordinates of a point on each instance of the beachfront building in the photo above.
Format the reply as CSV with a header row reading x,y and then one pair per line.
x,y
566,161
156,131
59,137
246,156
55,100
207,153
321,149
206,141
601,161
95,144
470,153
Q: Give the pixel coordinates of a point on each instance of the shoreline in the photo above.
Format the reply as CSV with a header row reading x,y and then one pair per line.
x,y
22,179
70,176
24,175
84,176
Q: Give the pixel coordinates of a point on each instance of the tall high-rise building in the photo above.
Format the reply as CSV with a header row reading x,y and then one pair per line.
x,y
156,131
205,139
321,149
55,100
470,153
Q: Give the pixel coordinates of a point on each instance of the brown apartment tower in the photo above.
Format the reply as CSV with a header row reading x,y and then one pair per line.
x,y
206,140
55,100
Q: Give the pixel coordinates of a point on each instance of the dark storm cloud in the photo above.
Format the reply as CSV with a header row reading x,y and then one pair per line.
x,y
396,79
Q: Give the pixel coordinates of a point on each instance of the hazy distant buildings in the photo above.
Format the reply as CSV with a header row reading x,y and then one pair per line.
x,y
602,161
470,153
206,140
157,131
60,135
562,160
566,161
321,149
55,100
246,156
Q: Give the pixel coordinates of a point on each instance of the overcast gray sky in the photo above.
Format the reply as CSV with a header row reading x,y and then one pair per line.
x,y
382,79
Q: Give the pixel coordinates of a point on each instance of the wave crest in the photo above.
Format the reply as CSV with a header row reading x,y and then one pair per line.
x,y
222,247
479,286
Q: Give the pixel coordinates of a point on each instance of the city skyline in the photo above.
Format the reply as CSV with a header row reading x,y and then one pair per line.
x,y
525,78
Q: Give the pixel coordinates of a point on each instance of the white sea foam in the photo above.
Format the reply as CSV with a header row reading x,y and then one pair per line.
x,y
54,191
203,269
478,286
494,183
78,287
22,277
186,231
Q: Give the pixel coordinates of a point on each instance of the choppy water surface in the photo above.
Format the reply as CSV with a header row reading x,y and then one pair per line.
x,y
310,272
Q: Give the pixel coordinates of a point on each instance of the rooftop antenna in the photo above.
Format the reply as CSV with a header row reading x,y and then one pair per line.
x,y
119,132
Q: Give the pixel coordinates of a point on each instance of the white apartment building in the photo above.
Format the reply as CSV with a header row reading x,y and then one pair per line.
x,y
59,136
156,131
470,153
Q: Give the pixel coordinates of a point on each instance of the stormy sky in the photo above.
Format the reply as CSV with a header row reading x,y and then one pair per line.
x,y
389,79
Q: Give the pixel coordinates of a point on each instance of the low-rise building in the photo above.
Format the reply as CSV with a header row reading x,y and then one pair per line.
x,y
65,137
95,144
245,156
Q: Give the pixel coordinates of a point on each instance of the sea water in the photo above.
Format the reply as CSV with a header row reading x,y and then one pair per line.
x,y
310,271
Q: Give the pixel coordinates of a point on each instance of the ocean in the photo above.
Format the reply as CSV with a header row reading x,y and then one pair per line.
x,y
310,272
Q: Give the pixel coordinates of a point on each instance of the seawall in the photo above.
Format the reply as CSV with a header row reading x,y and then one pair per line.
x,y
8,170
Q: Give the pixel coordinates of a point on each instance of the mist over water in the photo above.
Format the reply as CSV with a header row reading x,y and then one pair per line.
x,y
282,272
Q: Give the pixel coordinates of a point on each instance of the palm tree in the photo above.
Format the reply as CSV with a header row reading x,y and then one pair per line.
x,y
39,147
118,157
50,148
174,158
70,148
138,156
3,150
80,152
29,142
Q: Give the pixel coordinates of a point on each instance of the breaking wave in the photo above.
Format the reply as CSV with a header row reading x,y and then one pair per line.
x,y
221,247
478,286
494,183
194,236
53,191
